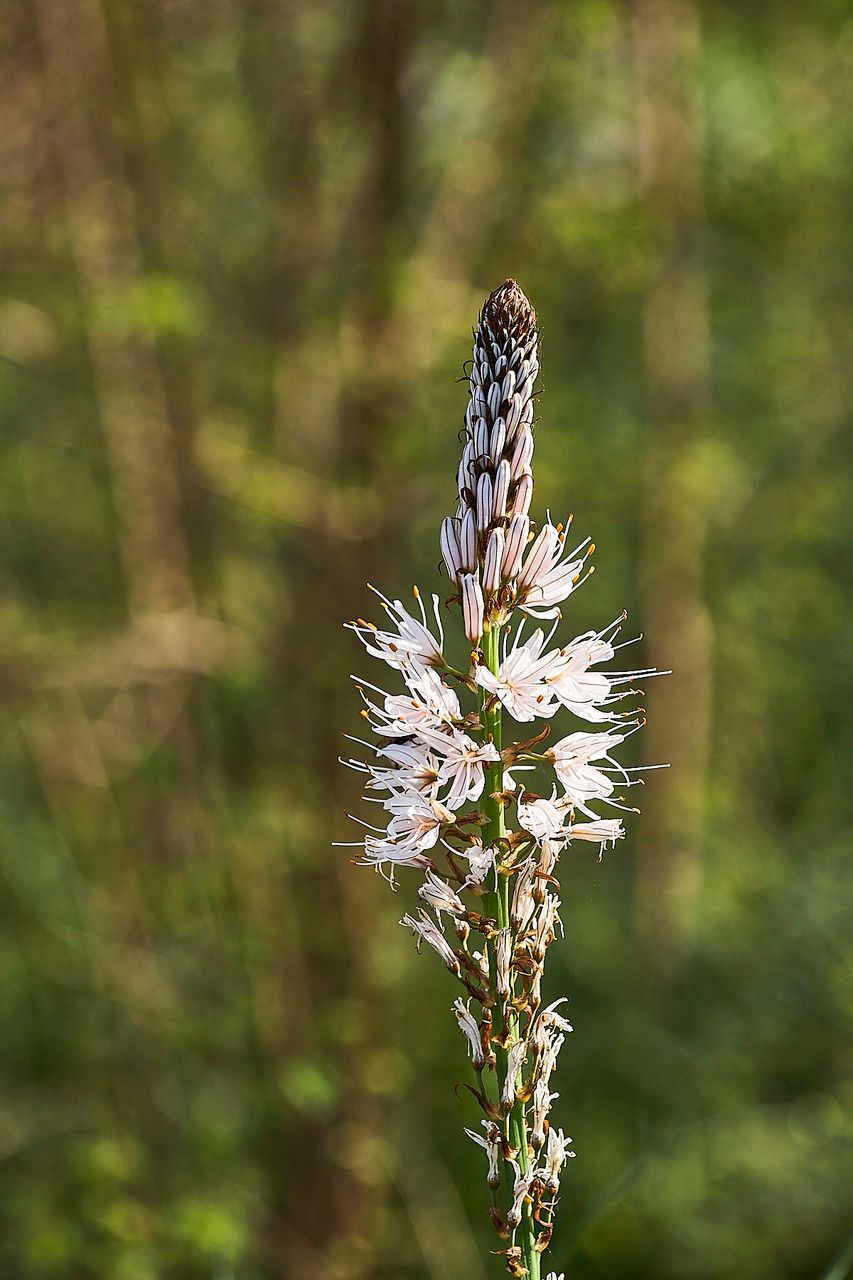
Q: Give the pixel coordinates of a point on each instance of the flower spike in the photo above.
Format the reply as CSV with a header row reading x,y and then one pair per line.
x,y
447,779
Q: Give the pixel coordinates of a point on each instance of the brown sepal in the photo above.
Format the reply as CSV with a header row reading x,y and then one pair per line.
x,y
490,1110
544,1238
510,754
514,1264
497,1220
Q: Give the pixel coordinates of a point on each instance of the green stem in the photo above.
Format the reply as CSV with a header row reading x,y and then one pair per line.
x,y
497,906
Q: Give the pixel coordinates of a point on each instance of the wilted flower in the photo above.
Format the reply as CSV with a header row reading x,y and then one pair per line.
x,y
556,1154
492,1146
470,1030
426,931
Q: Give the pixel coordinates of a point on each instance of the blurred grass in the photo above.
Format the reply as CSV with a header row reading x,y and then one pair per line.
x,y
243,249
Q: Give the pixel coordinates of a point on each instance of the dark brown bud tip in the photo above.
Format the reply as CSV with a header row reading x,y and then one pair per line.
x,y
509,308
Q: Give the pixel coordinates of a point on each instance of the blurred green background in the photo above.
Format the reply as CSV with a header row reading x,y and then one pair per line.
x,y
244,243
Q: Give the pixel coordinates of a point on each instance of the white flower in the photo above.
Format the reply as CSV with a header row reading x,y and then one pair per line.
x,y
434,696
379,852
416,821
521,683
586,692
491,1144
549,574
438,894
583,692
437,774
425,930
546,819
572,760
429,702
603,831
412,645
471,1032
462,763
412,768
543,818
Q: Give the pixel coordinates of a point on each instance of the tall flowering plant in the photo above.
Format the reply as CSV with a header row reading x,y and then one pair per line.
x,y
456,791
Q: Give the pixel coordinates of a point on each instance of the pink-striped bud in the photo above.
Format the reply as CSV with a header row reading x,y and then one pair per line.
x,y
493,561
523,494
472,608
516,540
500,491
468,541
451,549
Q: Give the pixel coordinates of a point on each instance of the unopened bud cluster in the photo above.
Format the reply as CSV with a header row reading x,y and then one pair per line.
x,y
484,544
450,787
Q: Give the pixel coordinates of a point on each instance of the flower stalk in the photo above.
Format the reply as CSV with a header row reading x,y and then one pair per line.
x,y
458,801
515,1133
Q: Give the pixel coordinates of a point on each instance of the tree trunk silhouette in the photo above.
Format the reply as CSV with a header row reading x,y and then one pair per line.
x,y
674,515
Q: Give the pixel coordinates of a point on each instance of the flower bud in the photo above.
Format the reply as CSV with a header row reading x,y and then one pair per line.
x,y
514,544
500,491
493,561
472,608
450,547
484,501
468,541
523,494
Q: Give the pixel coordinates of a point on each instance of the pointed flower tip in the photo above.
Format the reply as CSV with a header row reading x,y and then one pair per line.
x,y
508,307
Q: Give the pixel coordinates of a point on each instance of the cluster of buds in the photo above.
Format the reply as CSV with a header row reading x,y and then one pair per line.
x,y
486,546
454,808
